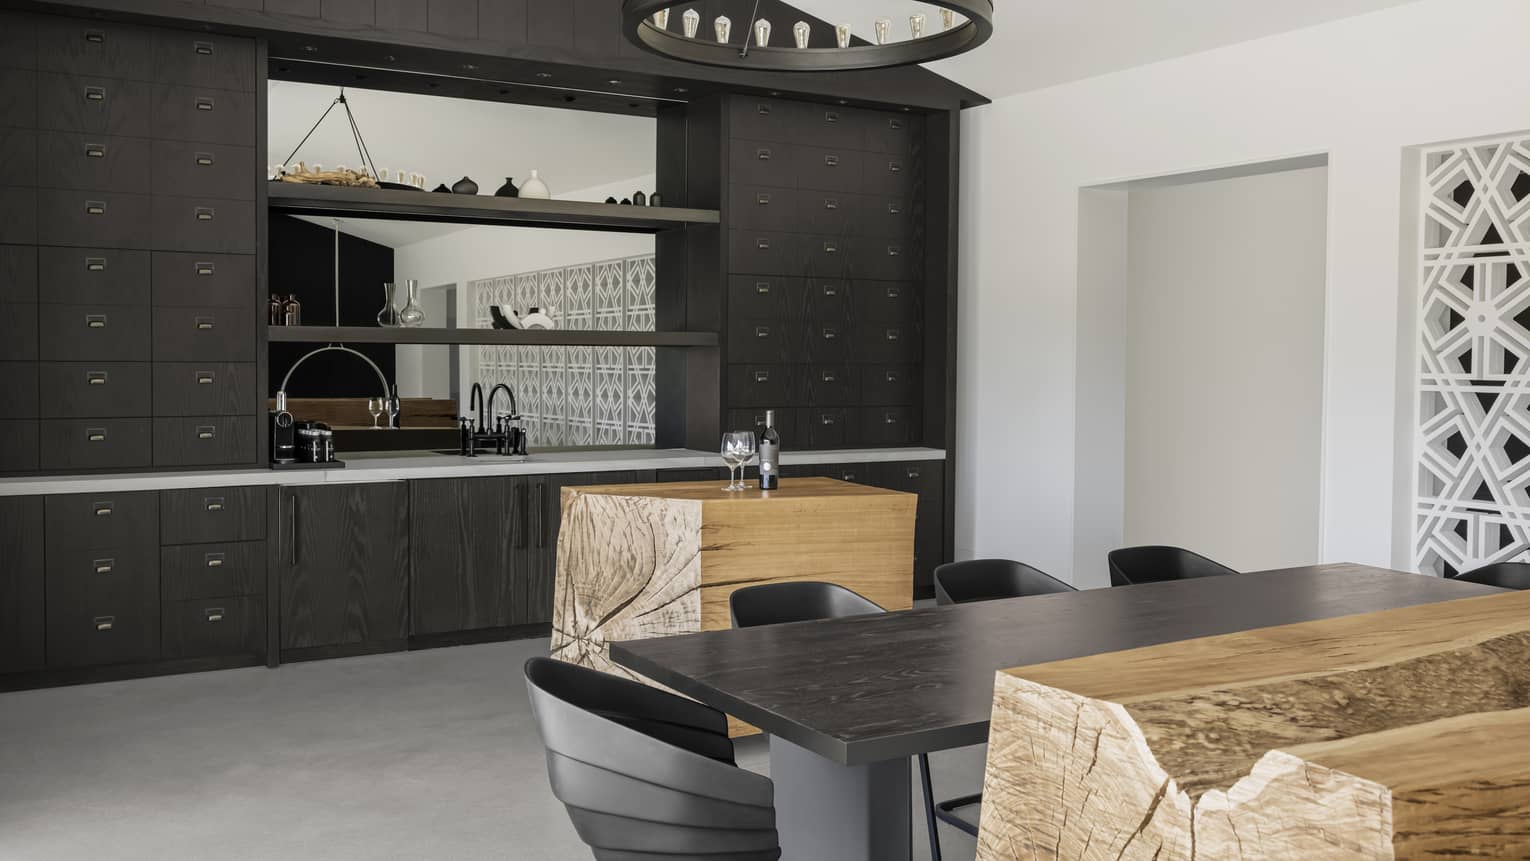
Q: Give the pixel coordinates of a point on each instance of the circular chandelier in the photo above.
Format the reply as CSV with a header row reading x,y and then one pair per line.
x,y
960,26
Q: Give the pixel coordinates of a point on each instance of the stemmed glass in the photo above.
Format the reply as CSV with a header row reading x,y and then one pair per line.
x,y
737,450
375,406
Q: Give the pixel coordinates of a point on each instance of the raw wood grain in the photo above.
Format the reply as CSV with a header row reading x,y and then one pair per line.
x,y
1403,733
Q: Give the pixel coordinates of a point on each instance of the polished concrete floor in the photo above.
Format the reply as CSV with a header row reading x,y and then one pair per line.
x,y
419,755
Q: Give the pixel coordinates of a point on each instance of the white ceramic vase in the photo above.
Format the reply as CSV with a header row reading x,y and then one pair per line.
x,y
535,188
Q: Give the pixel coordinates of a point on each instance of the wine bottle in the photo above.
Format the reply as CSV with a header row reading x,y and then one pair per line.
x,y
770,453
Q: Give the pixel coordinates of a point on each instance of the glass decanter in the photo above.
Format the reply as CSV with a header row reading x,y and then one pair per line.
x,y
412,316
388,316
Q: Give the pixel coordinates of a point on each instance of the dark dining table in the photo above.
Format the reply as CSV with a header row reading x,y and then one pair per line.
x,y
847,702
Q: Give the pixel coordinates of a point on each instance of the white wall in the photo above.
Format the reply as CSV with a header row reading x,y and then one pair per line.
x,y
1360,90
1224,366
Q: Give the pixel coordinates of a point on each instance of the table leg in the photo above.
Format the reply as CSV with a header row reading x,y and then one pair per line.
x,y
825,810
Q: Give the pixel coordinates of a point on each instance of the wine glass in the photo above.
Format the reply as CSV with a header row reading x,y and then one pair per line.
x,y
737,449
375,406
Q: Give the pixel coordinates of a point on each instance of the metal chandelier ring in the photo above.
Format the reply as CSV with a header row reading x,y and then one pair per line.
x,y
638,26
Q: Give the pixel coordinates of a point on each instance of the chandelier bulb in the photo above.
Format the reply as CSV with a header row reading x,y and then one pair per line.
x,y
723,27
762,33
692,22
916,26
801,32
661,19
842,35
883,26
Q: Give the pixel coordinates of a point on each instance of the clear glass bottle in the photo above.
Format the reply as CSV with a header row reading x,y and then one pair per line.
x,y
412,316
388,316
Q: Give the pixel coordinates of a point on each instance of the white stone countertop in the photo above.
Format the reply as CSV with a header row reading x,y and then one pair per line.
x,y
362,467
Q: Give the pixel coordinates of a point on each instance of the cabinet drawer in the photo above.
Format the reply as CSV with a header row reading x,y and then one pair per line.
x,y
888,384
85,633
18,445
764,296
762,119
761,340
18,274
212,514
193,279
89,47
762,163
826,212
885,216
18,98
762,207
103,106
205,441
18,215
213,626
890,133
194,169
886,302
92,162
827,341
887,342
827,169
112,575
832,385
85,218
826,256
828,300
883,259
204,224
93,333
204,334
94,389
18,333
890,175
193,571
18,156
183,57
762,385
754,252
206,389
828,428
754,419
831,126
91,521
18,389
196,113
886,425
84,276
96,443
18,40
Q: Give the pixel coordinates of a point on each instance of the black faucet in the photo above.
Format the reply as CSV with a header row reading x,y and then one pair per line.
x,y
504,436
475,402
510,393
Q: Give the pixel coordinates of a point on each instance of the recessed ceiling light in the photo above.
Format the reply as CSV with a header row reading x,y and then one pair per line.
x,y
390,58
310,48
682,90
775,92
469,67
615,82
843,102
544,75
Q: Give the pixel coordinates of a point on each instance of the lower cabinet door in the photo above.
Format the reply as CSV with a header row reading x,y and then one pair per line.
x,y
927,479
344,564
210,627
538,540
21,584
462,549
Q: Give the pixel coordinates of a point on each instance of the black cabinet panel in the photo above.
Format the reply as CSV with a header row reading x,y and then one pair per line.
x,y
92,47
18,274
97,520
204,334
206,389
103,106
830,213
886,425
464,558
203,113
788,422
95,443
215,61
205,440
103,603
828,169
758,252
831,126
94,389
191,571
88,218
764,385
762,340
828,301
21,584
925,478
18,41
828,428
93,333
832,385
765,296
18,332
18,156
198,169
19,445
212,514
753,118
83,276
762,207
345,564
887,342
699,474
89,162
884,259
890,175
762,163
195,279
18,389
204,224
213,626
826,256
890,133
828,341
892,302
18,98
18,215
888,384
886,216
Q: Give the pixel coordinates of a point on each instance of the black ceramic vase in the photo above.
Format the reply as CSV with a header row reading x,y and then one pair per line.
x,y
464,186
441,189
655,200
640,199
508,189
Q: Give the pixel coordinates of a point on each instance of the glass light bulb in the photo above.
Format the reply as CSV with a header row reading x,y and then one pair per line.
x,y
842,35
916,26
661,19
692,22
947,18
801,31
723,27
883,26
762,33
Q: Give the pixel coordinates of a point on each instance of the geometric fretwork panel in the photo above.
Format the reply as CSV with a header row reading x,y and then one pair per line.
x,y
577,396
1473,442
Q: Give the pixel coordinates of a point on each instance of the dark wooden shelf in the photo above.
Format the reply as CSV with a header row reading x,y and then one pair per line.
x,y
526,337
343,201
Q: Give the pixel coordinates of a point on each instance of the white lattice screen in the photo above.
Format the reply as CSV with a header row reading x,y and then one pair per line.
x,y
1473,443
577,396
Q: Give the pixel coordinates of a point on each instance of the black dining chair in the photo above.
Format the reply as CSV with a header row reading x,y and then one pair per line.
x,y
1155,564
779,603
1504,575
644,774
989,579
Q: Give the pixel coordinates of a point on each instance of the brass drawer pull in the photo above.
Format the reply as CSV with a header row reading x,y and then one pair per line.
x,y
762,244
95,434
763,199
213,503
104,623
830,290
763,154
206,432
205,269
895,166
204,159
204,324
95,321
95,207
890,418
762,110
762,331
104,566
831,116
205,213
830,334
95,264
205,378
894,209
95,150
894,292
831,203
95,94
762,288
214,560
95,378
214,614
894,251
103,509
204,103
203,48
895,124
829,377
826,419
894,334
913,472
831,161
892,376
831,248
762,376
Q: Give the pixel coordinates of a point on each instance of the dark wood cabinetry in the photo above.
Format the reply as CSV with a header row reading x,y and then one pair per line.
x,y
465,540
21,585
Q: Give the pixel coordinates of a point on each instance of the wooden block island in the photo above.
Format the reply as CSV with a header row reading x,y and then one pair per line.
x,y
654,560
1398,734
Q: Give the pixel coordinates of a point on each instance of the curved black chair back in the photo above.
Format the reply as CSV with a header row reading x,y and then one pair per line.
x,y
777,603
1504,575
647,775
988,579
1153,564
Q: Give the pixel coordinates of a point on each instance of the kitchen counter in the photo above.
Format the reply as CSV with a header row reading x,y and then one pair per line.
x,y
363,467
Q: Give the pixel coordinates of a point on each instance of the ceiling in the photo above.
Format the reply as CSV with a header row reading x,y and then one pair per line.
x,y
1040,43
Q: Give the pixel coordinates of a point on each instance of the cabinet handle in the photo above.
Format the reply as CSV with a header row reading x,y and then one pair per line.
x,y
762,288
95,264
826,419
831,116
831,161
894,292
830,334
762,110
913,472
762,154
830,248
95,150
894,334
103,509
894,251
104,566
523,523
847,476
206,432
205,269
762,244
763,199
894,209
204,159
95,37
762,376
104,623
95,94
95,434
540,508
889,418
762,331
95,207
205,213
205,378
204,103
759,421
830,203
292,530
213,503
214,614
95,378
829,376
895,167
203,48
892,376
214,560
830,290
205,323
895,124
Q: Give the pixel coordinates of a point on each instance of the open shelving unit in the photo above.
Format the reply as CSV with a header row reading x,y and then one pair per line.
x,y
513,337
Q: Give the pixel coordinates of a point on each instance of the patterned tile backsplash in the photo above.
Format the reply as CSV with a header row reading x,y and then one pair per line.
x,y
577,396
